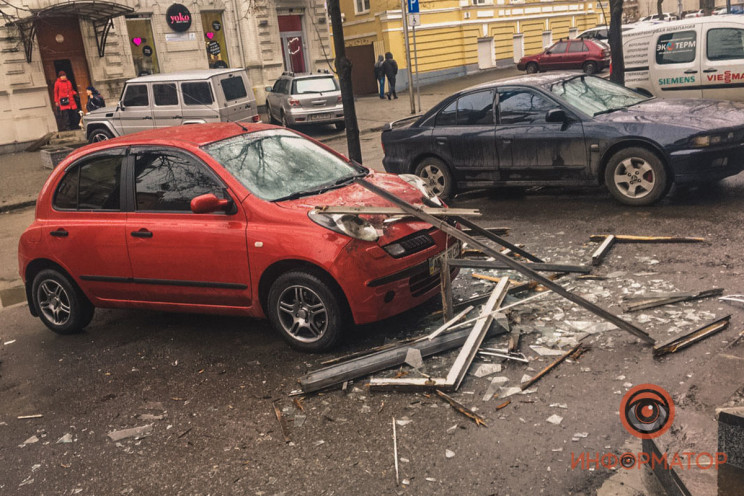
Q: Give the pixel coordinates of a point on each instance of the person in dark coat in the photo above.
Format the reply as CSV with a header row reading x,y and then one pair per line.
x,y
95,100
390,67
380,75
64,98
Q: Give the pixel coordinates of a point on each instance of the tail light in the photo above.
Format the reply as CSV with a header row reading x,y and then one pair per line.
x,y
610,67
338,99
293,102
605,53
256,118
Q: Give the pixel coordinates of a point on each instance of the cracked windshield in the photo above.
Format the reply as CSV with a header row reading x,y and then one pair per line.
x,y
594,95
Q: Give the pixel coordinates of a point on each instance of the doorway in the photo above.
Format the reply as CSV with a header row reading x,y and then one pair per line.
x,y
61,48
293,43
362,59
214,40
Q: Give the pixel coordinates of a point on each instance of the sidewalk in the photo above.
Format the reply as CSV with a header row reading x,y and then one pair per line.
x,y
23,175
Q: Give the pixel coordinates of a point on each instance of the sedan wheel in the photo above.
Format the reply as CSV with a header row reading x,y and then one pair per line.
x,y
437,176
271,114
636,176
590,67
531,68
59,304
284,120
306,311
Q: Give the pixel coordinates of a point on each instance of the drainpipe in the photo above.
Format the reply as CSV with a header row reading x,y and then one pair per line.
x,y
240,32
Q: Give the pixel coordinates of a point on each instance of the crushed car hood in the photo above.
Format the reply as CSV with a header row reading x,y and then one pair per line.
x,y
692,114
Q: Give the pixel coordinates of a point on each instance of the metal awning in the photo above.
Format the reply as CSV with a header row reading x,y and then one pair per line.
x,y
99,13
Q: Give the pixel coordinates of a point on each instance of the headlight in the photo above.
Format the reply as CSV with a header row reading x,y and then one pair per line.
x,y
421,185
701,141
350,225
712,139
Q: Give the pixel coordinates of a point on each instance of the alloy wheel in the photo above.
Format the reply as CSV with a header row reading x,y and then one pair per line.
x,y
634,177
302,313
434,178
99,137
54,302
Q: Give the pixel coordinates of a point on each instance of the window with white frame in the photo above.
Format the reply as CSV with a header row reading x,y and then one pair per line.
x,y
482,2
361,6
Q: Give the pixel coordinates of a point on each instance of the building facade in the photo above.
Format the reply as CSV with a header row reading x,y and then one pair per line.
x,y
104,43
458,37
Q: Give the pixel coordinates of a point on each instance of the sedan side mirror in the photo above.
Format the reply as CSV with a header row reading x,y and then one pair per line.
x,y
268,89
206,204
556,115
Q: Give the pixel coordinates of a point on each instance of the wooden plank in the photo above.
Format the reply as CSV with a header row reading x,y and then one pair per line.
x,y
470,348
519,267
550,367
448,324
378,384
445,281
623,238
693,337
395,211
540,267
653,302
603,250
462,409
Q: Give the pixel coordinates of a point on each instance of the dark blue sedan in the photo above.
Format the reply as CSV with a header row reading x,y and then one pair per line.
x,y
567,130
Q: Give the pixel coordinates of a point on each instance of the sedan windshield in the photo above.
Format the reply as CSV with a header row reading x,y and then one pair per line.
x,y
594,96
280,165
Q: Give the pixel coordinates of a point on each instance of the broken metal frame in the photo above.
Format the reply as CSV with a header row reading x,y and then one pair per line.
x,y
644,303
693,337
394,211
550,367
538,266
513,264
603,249
624,238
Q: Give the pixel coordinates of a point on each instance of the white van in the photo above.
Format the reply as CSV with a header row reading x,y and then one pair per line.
x,y
692,58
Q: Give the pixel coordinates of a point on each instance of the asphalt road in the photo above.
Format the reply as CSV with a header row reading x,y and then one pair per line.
x,y
207,384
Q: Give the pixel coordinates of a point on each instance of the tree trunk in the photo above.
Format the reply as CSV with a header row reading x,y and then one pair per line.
x,y
616,42
658,9
343,69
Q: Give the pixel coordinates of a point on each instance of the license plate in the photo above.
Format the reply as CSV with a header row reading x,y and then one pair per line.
x,y
319,117
435,263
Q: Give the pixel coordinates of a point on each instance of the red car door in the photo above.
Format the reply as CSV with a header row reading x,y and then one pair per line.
x,y
576,54
84,228
554,57
178,256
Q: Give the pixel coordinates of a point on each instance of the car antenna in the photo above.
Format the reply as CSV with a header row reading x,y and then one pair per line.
x,y
245,129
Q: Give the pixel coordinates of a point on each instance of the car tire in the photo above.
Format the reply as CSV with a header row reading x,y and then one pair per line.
x,y
99,134
437,176
340,126
309,313
60,305
636,176
531,68
271,115
590,67
283,118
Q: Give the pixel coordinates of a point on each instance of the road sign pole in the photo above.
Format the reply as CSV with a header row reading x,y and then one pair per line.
x,y
408,54
415,61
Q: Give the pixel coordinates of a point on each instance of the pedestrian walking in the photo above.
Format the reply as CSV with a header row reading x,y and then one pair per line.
x,y
95,100
390,66
64,98
380,75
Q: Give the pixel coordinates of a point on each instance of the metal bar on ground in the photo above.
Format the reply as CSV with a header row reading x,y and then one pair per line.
x,y
479,231
498,311
541,267
462,409
445,281
519,267
395,454
693,337
621,238
603,249
653,302
550,367
408,384
448,324
499,231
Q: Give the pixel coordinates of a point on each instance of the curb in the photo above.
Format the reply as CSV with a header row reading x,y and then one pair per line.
x,y
16,206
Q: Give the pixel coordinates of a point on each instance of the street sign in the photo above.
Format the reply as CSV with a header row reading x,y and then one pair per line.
x,y
414,20
413,6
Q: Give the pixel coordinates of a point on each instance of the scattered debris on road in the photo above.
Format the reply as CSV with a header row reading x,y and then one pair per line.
x,y
645,303
682,342
135,432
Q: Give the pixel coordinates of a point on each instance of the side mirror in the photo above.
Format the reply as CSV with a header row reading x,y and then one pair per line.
x,y
120,106
556,115
268,89
206,204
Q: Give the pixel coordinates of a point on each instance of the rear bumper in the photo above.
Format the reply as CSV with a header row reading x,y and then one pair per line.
x,y
326,115
706,164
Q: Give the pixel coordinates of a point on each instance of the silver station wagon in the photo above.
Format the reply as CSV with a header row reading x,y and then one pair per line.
x,y
305,99
174,99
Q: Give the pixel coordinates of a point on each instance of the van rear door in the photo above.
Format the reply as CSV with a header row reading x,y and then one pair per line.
x,y
723,61
235,97
675,61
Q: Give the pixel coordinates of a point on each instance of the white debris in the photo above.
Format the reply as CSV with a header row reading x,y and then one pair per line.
x,y
150,416
559,405
413,358
627,385
543,351
403,421
486,369
318,443
506,392
449,454
31,440
431,479
67,438
9,342
554,419
525,378
557,450
135,432
620,378
404,460
496,382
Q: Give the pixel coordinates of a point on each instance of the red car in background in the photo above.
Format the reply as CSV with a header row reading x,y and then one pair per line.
x,y
587,55
220,218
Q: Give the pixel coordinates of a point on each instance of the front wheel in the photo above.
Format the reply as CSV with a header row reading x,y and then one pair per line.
x,y
635,176
59,304
531,68
271,115
340,126
308,312
590,67
437,175
99,134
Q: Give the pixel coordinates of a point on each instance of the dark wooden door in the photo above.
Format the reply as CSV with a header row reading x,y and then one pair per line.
x,y
61,47
363,69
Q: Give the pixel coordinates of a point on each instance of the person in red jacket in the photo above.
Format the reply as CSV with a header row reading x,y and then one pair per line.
x,y
64,98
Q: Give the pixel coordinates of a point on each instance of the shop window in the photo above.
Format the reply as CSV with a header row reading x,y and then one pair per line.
x,y
214,40
142,43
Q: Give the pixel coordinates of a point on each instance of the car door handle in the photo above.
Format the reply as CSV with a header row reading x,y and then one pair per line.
x,y
147,117
710,70
177,117
506,141
691,71
142,233
441,141
59,233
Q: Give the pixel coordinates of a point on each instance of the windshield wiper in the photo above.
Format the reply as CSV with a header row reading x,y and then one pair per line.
x,y
326,187
609,110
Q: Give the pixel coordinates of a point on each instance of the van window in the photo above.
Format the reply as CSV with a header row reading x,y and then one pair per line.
x,y
165,94
676,48
725,44
197,93
135,95
233,88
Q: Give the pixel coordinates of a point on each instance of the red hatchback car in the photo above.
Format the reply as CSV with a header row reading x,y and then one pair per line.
x,y
587,55
217,218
